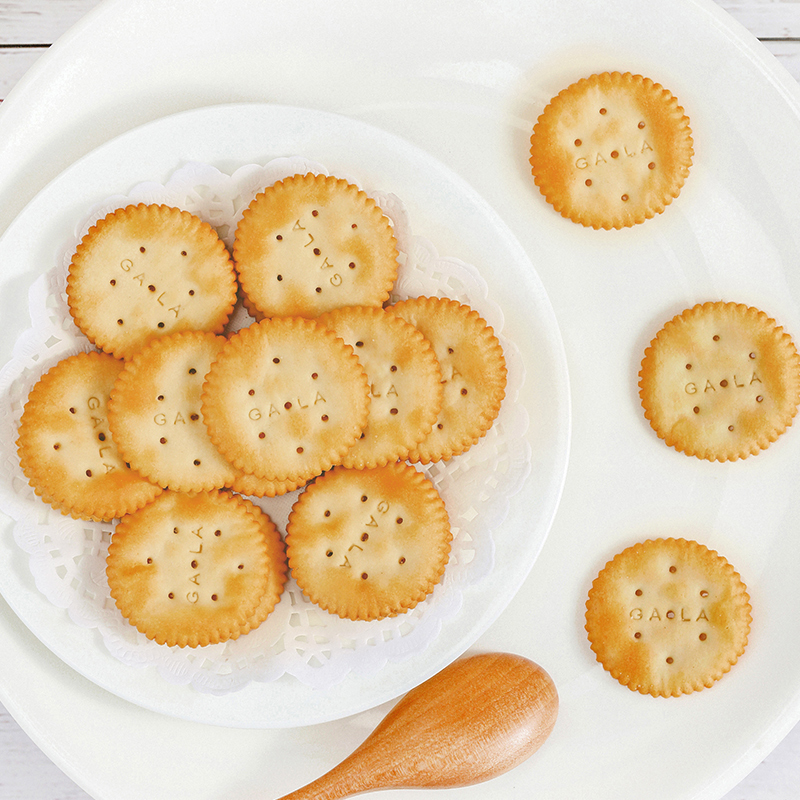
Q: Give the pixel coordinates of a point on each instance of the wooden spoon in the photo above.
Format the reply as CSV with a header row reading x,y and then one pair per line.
x,y
474,720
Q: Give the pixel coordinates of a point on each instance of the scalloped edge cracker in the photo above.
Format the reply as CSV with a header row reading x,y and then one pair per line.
x,y
405,383
149,270
285,399
311,243
473,372
720,381
368,544
190,569
611,150
154,413
668,617
65,445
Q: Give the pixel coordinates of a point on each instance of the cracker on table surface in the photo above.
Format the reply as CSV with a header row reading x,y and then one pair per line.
x,y
720,381
668,617
611,150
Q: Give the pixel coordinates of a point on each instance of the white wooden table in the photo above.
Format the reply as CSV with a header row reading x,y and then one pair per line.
x,y
27,28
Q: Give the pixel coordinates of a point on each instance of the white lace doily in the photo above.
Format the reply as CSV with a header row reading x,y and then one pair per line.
x,y
67,557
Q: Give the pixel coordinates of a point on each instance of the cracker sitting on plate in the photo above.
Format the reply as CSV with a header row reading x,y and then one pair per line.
x,y
65,446
473,370
149,270
369,543
285,399
405,383
311,243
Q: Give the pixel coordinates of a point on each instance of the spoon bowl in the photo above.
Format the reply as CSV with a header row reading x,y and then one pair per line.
x,y
474,720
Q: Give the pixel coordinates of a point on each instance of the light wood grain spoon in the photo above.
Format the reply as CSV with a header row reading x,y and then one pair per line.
x,y
474,720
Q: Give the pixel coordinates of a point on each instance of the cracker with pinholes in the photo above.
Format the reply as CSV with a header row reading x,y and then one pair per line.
x,y
149,270
311,243
611,150
65,447
154,413
368,544
285,399
405,383
190,569
720,381
473,373
668,617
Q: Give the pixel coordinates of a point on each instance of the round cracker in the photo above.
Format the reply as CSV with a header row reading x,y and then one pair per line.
x,y
473,372
720,381
368,544
611,150
149,270
277,570
65,445
154,413
311,243
668,617
405,383
285,399
189,569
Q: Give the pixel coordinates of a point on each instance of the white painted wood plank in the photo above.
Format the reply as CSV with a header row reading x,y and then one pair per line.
x,y
788,54
766,19
25,771
39,21
14,63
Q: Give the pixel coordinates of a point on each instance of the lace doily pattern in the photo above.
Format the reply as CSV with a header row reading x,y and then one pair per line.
x,y
67,557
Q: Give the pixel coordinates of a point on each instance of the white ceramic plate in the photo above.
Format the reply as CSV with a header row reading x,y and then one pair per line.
x,y
441,207
465,81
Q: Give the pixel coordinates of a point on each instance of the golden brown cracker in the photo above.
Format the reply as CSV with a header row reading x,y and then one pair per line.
x,y
367,544
720,381
311,243
405,383
668,617
277,570
154,413
473,371
65,446
149,270
189,569
285,399
611,150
